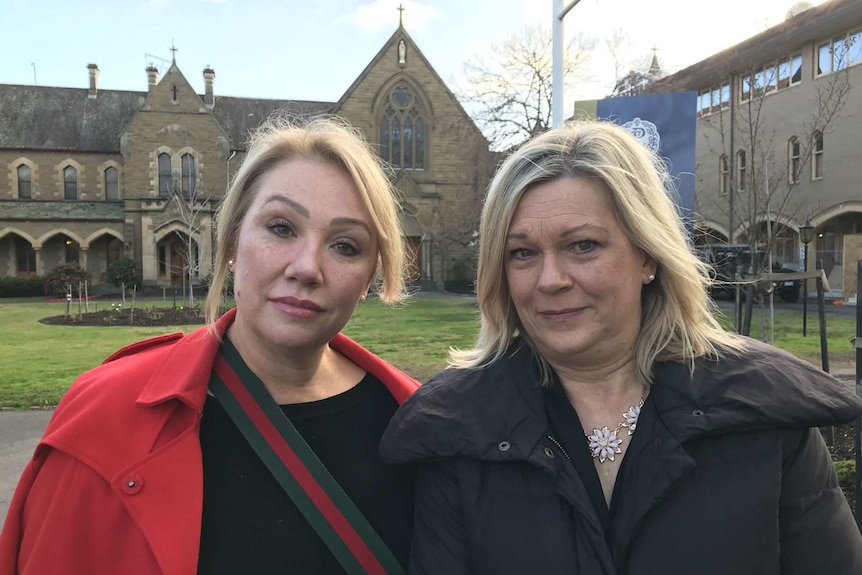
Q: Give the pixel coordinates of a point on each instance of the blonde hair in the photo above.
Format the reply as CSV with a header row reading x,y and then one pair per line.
x,y
676,323
331,140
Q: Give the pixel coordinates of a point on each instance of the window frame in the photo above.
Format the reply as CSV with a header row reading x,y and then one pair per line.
x,y
70,184
402,124
817,149
108,184
849,44
723,175
794,157
165,178
188,177
741,170
767,79
28,180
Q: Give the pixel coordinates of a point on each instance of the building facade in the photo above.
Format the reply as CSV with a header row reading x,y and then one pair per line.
x,y
778,139
92,176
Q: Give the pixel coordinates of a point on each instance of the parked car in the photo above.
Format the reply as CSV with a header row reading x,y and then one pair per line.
x,y
727,259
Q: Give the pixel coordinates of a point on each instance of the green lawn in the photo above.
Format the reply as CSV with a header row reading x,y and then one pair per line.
x,y
38,362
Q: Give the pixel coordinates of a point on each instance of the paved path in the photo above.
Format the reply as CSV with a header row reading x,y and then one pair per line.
x,y
19,433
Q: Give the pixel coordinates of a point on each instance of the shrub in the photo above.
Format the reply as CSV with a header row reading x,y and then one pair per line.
x,y
32,286
846,472
228,283
123,271
59,278
461,276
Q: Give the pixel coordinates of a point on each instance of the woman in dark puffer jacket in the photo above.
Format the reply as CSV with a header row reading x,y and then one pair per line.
x,y
604,423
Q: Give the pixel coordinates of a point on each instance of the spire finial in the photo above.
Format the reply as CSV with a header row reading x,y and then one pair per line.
x,y
173,52
400,15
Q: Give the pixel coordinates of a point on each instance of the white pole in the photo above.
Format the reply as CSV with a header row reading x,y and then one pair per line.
x,y
769,258
557,89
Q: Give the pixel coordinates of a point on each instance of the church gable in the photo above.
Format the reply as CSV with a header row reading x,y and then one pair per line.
x,y
400,86
173,93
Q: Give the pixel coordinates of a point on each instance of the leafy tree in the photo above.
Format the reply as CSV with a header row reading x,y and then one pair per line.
x,y
59,279
123,272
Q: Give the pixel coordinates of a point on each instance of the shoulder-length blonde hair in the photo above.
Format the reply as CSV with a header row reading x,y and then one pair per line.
x,y
676,323
330,140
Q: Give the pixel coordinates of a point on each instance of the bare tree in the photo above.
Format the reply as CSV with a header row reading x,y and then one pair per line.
x,y
760,165
191,205
767,166
509,92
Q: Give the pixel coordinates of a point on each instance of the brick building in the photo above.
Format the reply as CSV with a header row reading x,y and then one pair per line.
x,y
91,176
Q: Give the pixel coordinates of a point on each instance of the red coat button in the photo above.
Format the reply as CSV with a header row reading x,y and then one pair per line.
x,y
132,484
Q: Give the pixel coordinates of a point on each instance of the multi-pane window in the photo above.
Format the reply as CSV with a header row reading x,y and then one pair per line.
x,y
70,183
112,184
189,181
402,131
722,175
776,76
25,182
793,159
164,175
741,170
817,156
713,100
840,52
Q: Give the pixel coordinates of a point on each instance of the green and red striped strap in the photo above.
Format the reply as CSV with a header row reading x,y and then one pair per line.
x,y
322,501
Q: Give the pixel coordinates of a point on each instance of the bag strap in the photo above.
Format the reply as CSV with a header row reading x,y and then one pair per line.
x,y
295,466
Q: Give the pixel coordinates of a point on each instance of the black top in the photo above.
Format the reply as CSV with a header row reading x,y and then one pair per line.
x,y
250,525
566,426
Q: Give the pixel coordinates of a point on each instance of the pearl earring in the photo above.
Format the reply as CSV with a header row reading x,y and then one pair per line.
x,y
230,263
651,277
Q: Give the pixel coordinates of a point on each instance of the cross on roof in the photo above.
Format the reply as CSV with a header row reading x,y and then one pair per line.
x,y
400,15
174,52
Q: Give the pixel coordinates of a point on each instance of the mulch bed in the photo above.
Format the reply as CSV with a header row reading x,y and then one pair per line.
x,y
143,317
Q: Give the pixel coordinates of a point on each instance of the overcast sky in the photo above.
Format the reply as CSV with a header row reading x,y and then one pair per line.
x,y
314,49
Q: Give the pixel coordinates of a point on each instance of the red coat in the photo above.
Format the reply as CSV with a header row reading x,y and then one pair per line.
x,y
116,483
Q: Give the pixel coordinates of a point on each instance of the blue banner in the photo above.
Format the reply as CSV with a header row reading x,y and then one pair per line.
x,y
666,124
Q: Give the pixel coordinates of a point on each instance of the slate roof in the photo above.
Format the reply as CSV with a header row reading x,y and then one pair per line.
x,y
817,23
48,118
54,210
240,116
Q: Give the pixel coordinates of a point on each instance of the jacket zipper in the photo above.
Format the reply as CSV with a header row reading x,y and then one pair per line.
x,y
560,447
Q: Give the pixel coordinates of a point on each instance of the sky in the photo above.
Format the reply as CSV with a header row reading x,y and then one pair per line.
x,y
315,49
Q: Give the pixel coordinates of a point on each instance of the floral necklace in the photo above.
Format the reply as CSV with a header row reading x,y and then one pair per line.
x,y
604,442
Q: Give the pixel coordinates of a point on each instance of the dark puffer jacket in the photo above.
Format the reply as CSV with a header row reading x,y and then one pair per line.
x,y
732,480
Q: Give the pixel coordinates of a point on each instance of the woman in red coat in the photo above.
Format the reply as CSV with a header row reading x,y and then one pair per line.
x,y
249,445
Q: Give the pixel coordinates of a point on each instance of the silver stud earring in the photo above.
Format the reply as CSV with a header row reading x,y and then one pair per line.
x,y
230,263
651,277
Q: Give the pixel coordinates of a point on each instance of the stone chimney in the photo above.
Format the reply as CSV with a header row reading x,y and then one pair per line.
x,y
209,97
94,79
152,78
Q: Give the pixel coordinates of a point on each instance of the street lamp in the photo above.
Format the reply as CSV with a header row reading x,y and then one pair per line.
x,y
557,54
806,233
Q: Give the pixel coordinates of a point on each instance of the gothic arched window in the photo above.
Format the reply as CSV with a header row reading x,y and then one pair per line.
x,y
402,131
112,184
70,183
165,178
25,182
189,177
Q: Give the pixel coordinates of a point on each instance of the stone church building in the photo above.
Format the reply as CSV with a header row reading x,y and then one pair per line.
x,y
91,176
